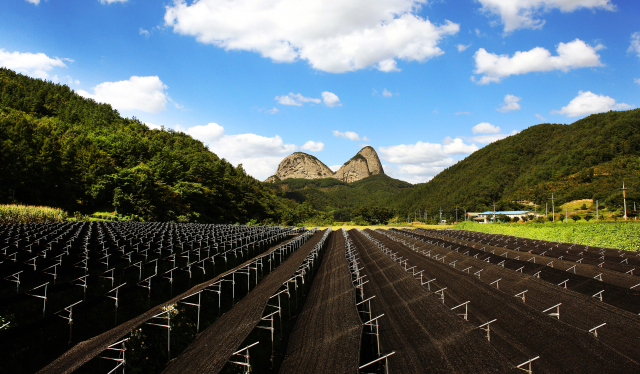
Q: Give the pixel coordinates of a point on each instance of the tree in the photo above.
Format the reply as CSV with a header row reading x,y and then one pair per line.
x,y
372,215
588,217
561,217
575,217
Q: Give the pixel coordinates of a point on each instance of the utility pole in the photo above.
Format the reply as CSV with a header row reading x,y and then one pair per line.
x,y
494,212
456,214
597,210
440,214
566,213
546,208
553,207
624,197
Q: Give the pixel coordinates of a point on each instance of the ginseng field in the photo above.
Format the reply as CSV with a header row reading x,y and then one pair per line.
x,y
176,298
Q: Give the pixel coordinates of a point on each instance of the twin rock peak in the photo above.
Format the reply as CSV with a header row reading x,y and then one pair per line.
x,y
301,165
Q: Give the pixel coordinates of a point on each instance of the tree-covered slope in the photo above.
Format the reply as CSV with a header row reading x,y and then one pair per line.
x,y
588,159
60,149
332,195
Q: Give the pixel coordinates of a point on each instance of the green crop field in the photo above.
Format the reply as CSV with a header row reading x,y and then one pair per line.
x,y
622,235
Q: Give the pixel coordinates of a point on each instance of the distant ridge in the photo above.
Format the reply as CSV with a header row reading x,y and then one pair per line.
x,y
302,165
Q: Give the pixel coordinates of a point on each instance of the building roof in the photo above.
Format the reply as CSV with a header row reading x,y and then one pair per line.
x,y
506,212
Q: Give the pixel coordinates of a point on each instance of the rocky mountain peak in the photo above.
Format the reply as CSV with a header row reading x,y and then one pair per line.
x,y
301,165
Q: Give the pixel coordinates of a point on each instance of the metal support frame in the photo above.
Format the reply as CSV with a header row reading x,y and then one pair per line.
x,y
121,355
554,314
69,318
15,277
528,363
44,298
487,329
598,295
466,309
167,326
497,283
199,293
594,330
246,364
521,295
440,293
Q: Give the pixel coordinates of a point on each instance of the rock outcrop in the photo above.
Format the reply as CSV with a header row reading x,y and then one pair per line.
x,y
301,165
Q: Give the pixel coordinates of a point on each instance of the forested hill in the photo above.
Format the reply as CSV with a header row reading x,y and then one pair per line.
x,y
60,149
588,159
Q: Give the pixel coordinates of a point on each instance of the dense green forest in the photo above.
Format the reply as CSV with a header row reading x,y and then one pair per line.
x,y
588,159
62,150
340,198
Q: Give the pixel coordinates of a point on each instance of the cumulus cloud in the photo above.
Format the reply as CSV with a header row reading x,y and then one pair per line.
x,y
137,93
206,133
151,126
330,99
332,36
36,2
637,80
485,128
144,32
112,1
522,14
541,118
296,99
349,135
312,146
589,103
486,139
462,47
510,103
386,93
32,64
419,162
335,168
259,155
273,110
572,55
635,43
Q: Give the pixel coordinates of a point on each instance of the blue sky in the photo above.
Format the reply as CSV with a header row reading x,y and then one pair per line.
x,y
425,83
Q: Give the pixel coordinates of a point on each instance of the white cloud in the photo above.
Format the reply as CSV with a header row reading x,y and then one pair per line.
x,y
465,112
112,1
144,32
521,14
206,133
541,118
572,55
137,93
589,103
330,99
32,64
635,43
425,153
312,146
349,135
637,80
335,168
486,139
462,47
332,36
386,93
273,110
510,103
296,99
417,163
36,2
151,126
485,128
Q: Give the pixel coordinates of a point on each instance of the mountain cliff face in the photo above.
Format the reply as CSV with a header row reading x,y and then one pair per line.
x,y
362,165
301,165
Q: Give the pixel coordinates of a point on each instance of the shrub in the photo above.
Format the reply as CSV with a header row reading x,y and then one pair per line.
x,y
575,217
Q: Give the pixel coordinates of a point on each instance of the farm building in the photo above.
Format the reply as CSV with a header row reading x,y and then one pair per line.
x,y
486,217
